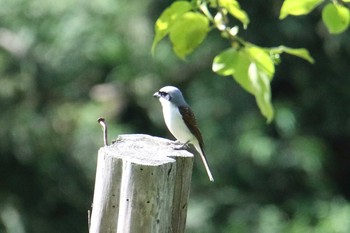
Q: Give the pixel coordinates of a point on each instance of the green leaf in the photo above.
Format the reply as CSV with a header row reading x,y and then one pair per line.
x,y
236,63
241,71
299,52
226,62
336,18
233,7
189,31
298,7
262,60
251,69
262,91
167,19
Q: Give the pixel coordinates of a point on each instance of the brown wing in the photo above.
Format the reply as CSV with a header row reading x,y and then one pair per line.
x,y
190,121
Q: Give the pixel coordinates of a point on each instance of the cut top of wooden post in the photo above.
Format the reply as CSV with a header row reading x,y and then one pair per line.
x,y
144,149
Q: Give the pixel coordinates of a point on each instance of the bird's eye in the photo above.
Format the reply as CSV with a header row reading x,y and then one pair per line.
x,y
165,95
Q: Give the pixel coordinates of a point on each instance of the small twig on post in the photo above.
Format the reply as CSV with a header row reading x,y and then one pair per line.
x,y
102,122
104,128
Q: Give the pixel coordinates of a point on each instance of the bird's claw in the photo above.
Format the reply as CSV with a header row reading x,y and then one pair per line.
x,y
180,146
177,145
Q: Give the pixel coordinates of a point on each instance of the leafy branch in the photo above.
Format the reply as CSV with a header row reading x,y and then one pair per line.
x,y
335,15
251,66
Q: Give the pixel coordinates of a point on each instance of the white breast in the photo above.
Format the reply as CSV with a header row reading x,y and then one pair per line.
x,y
175,123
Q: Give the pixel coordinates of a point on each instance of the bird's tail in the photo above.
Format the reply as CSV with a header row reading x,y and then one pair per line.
x,y
204,159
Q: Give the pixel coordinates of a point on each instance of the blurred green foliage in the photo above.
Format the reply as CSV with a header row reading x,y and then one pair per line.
x,y
335,14
65,63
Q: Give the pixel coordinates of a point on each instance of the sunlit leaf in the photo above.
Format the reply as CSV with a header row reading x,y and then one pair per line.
x,y
298,7
233,7
226,62
250,67
241,71
189,31
262,92
299,52
167,19
262,60
336,18
236,63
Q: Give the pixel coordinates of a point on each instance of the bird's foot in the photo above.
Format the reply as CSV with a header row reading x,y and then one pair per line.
x,y
180,146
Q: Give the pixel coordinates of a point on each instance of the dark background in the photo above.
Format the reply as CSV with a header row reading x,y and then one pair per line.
x,y
65,63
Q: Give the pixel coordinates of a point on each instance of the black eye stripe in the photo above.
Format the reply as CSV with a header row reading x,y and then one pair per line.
x,y
165,95
162,93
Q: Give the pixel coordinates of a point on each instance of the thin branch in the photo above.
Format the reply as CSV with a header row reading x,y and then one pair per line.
x,y
223,27
104,128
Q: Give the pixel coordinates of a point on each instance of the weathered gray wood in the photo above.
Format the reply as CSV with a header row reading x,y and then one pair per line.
x,y
142,185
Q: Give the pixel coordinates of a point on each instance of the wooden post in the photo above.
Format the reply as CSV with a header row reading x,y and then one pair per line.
x,y
142,185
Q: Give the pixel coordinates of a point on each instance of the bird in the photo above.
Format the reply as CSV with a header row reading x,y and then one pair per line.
x,y
181,122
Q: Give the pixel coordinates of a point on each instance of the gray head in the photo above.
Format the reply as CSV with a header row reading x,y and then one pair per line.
x,y
172,94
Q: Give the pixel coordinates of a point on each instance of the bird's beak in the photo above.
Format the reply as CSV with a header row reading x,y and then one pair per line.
x,y
156,94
